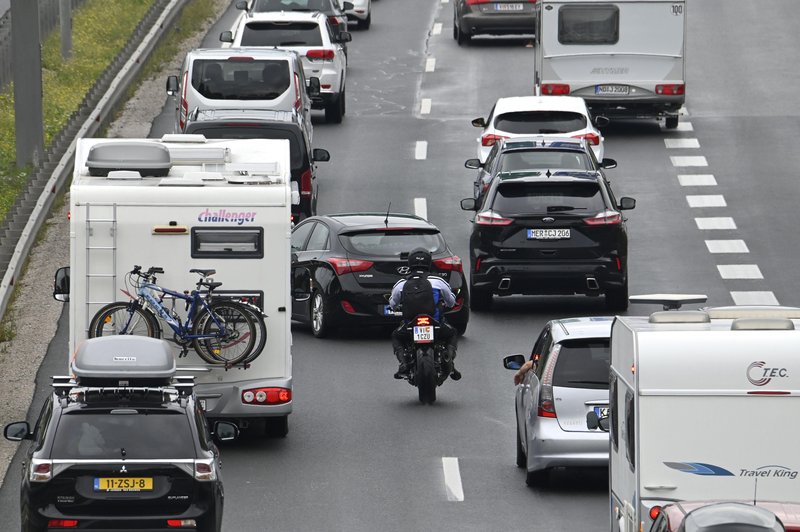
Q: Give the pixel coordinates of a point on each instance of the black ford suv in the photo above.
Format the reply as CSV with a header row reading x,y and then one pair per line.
x,y
558,232
122,446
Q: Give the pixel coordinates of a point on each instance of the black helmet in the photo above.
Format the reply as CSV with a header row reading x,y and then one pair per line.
x,y
420,260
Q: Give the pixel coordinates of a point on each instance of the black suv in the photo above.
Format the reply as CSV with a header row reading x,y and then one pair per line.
x,y
123,446
549,233
269,124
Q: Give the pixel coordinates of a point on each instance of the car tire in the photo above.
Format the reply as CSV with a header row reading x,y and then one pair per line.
x,y
319,317
344,102
522,459
462,38
479,298
461,328
537,478
617,298
366,23
334,110
671,122
276,427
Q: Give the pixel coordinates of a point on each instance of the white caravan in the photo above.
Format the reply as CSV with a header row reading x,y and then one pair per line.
x,y
624,57
703,406
215,204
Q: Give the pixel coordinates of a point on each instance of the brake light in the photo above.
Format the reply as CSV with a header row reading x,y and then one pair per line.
x,y
672,89
478,264
476,2
324,54
241,59
266,396
204,470
62,523
348,307
423,320
654,512
491,218
490,139
334,21
619,263
41,470
592,138
452,263
298,102
342,266
184,101
181,523
305,182
604,218
555,89
547,406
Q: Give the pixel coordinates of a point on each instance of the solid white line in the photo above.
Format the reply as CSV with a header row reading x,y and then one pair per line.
x,y
452,479
673,144
445,1
421,150
697,160
425,106
697,180
739,271
710,200
724,222
437,28
421,208
727,246
754,298
430,64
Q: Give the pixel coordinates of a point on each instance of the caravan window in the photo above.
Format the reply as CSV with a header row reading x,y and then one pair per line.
x,y
630,430
228,242
588,24
614,415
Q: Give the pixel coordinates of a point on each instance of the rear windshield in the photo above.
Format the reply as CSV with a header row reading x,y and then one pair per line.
x,y
540,122
148,434
544,159
243,131
292,5
263,79
282,34
583,364
584,24
542,197
392,243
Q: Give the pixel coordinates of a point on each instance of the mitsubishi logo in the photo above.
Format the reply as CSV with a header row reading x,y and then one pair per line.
x,y
548,219
123,470
403,270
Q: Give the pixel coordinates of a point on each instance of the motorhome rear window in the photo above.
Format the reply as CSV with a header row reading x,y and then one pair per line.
x,y
393,242
242,78
544,197
517,160
588,24
539,122
583,364
281,34
228,242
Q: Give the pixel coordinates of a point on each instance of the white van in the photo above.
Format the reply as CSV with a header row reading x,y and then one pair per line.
x,y
703,406
624,57
183,202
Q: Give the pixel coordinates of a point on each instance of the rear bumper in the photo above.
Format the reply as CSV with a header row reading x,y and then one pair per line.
x,y
649,106
498,24
562,277
367,310
551,446
224,400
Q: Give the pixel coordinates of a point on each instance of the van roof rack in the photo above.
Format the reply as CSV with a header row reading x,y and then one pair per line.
x,y
669,301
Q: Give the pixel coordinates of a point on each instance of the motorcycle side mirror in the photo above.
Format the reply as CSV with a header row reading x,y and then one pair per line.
x,y
513,362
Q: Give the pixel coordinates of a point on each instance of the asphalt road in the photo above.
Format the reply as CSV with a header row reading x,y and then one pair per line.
x,y
362,453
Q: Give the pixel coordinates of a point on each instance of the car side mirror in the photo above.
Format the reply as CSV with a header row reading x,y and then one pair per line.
x,y
320,155
344,36
226,36
479,122
241,4
601,121
314,87
594,422
18,431
225,431
172,85
61,284
468,204
473,164
513,361
626,203
347,6
608,163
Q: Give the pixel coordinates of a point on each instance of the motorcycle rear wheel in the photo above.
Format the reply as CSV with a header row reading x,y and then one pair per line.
x,y
426,376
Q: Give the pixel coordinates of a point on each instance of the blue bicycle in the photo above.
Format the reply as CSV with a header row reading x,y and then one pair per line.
x,y
221,331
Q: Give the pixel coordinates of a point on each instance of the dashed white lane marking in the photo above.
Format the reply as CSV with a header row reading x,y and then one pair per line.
x,y
452,479
425,106
697,180
683,111
437,28
421,208
710,200
695,160
445,1
684,126
674,144
430,64
727,246
739,271
723,222
754,298
421,150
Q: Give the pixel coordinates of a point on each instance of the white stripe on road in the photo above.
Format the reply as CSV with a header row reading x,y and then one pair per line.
x,y
697,160
684,126
445,1
452,479
437,28
425,106
674,144
727,246
710,200
430,64
421,208
421,150
697,180
683,111
739,271
754,298
715,223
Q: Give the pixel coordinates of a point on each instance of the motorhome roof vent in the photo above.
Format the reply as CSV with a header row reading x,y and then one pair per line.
x,y
669,301
246,179
204,176
762,324
183,137
680,316
149,159
123,175
766,311
194,155
180,182
270,168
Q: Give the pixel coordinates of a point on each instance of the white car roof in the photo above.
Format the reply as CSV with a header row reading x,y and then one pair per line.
x,y
284,16
257,52
584,327
537,103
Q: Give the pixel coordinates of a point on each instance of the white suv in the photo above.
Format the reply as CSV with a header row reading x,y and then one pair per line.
x,y
311,36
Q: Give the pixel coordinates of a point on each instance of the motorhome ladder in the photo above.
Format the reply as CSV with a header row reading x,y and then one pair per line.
x,y
101,257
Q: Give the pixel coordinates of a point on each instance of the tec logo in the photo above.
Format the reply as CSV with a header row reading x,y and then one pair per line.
x,y
759,375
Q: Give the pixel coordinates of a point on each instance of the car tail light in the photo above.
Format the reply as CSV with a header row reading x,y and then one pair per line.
x,y
266,396
618,261
298,101
458,305
452,263
184,101
591,138
490,139
654,512
673,89
342,266
305,182
491,218
62,523
604,218
334,21
322,55
41,470
555,89
475,2
204,470
547,406
348,307
181,523
478,264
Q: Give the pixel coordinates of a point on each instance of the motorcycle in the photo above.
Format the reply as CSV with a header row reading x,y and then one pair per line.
x,y
429,360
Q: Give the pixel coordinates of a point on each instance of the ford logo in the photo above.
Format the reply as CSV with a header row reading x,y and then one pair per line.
x,y
548,219
403,270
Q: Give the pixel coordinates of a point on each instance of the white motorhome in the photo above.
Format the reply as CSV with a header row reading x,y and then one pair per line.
x,y
703,405
624,57
183,202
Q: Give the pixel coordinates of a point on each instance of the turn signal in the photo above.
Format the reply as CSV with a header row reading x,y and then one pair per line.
x,y
342,266
181,523
675,89
605,218
654,512
492,218
591,138
266,396
491,139
452,263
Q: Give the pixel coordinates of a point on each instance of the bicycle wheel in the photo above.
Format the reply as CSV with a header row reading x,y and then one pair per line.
x,y
230,333
124,318
261,330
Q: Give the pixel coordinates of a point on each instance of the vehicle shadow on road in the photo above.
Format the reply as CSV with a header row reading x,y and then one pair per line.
x,y
545,307
627,128
575,480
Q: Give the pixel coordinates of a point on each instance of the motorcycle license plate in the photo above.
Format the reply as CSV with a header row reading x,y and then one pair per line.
x,y
424,334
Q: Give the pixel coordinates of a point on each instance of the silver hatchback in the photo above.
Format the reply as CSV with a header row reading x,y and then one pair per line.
x,y
568,379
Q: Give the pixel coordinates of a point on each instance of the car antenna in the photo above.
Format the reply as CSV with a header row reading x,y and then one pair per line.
x,y
386,220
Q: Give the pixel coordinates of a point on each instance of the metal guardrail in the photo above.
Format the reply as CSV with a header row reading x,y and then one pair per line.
x,y
32,206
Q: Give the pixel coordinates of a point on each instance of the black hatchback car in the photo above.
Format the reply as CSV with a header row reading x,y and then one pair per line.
x,y
549,233
121,450
345,265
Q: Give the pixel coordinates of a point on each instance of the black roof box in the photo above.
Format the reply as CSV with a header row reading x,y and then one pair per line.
x,y
149,159
124,361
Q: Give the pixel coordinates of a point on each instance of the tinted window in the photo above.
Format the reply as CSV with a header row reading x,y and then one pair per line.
x,y
614,412
578,198
282,34
300,234
228,242
540,122
292,5
582,364
319,238
630,430
563,160
145,435
245,131
588,24
264,79
392,243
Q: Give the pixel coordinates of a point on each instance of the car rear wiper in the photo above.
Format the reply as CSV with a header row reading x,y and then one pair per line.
x,y
587,382
555,208
548,131
293,43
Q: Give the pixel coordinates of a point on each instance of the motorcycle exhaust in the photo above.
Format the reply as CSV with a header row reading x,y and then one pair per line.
x,y
592,284
504,284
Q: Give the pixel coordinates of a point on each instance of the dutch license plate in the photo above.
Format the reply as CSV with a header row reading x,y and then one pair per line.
x,y
123,484
548,234
508,7
424,334
387,311
601,411
611,89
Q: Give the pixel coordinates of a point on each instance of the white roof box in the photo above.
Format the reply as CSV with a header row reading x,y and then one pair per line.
x,y
124,361
149,159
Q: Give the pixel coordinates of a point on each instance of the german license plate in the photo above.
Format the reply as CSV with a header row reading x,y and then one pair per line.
x,y
424,334
612,89
601,411
387,311
508,7
549,234
123,484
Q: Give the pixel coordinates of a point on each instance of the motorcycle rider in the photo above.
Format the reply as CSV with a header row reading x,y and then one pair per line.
x,y
414,293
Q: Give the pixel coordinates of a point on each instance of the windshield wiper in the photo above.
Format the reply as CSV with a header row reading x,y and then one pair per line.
x,y
547,131
555,208
293,43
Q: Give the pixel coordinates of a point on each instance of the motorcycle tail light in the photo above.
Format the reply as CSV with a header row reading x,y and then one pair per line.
x,y
423,320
